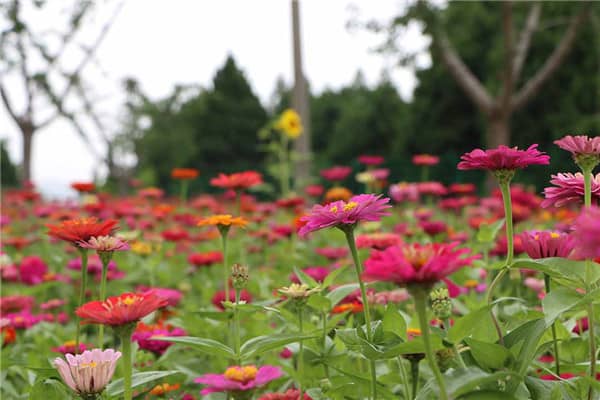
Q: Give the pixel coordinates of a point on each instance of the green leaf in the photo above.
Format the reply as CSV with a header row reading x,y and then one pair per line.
x,y
461,382
305,279
319,302
567,272
338,294
208,346
216,315
115,388
468,324
48,389
394,322
487,395
528,335
487,232
488,355
560,300
328,281
262,344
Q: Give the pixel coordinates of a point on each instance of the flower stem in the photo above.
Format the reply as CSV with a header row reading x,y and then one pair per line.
x,y
102,298
554,341
300,354
236,327
349,232
126,347
224,232
325,367
461,362
404,378
414,372
420,297
489,297
84,263
184,190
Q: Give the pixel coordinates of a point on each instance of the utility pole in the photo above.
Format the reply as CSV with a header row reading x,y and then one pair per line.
x,y
300,104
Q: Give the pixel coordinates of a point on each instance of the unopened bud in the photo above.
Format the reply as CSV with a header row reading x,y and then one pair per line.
x,y
441,303
239,276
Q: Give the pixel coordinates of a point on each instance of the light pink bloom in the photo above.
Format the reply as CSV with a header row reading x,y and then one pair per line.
x,y
404,191
586,232
364,207
104,244
89,372
239,379
579,144
332,253
415,263
537,285
568,189
544,244
503,158
317,273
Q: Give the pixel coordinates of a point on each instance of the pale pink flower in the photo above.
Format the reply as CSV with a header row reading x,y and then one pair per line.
x,y
580,144
569,189
89,372
104,244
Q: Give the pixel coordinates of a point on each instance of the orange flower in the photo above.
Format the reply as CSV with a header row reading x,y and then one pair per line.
x,y
83,187
223,220
82,229
184,173
164,388
237,181
337,193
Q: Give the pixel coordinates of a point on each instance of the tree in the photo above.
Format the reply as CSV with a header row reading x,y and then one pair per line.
x,y
7,168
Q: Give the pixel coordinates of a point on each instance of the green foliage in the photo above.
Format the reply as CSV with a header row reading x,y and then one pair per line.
x,y
8,170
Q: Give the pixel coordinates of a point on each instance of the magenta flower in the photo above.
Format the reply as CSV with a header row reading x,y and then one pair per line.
x,y
88,373
415,263
239,379
336,174
104,244
403,191
568,189
332,253
32,270
143,335
340,214
578,145
370,160
586,233
317,273
503,158
544,244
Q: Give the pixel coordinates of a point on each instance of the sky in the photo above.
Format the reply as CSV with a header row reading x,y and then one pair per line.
x,y
162,43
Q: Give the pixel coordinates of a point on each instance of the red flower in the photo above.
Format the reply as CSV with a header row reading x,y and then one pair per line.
x,y
83,187
237,181
120,310
82,229
184,173
503,158
425,159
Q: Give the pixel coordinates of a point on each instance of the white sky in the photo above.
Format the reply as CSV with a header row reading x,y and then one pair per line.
x,y
165,42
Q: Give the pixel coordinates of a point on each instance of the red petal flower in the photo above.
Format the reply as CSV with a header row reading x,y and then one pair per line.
x,y
120,310
82,229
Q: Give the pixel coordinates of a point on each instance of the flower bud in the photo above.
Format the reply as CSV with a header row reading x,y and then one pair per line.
x,y
239,276
441,303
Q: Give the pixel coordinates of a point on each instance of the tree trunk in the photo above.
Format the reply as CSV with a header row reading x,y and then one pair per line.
x,y
498,132
27,134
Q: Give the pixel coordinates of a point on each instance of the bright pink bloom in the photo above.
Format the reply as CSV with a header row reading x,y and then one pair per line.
x,y
290,394
544,244
16,302
120,310
378,241
569,189
415,263
433,228
172,296
364,207
314,190
69,347
32,270
89,372
238,181
336,173
503,158
219,298
22,320
143,334
425,159
403,191
332,253
370,160
432,188
580,144
239,379
586,233
317,273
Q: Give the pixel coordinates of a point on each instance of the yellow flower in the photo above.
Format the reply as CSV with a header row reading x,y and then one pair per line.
x,y
224,220
297,291
141,248
290,124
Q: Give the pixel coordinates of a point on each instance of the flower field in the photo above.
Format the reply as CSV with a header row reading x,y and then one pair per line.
x,y
411,290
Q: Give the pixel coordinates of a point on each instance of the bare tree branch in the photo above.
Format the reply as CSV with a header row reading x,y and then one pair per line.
x,y
557,57
508,82
531,24
8,105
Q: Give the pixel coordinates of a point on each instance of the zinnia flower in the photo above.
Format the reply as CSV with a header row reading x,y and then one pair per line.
x,y
223,220
237,181
120,310
105,244
184,173
143,334
239,379
364,207
290,394
370,160
580,145
337,193
205,259
83,187
425,159
569,189
82,229
336,174
88,373
503,158
586,233
415,263
290,124
544,244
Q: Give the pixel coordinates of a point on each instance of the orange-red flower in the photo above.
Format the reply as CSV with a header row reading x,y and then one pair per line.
x,y
224,220
83,187
237,181
82,229
121,310
337,193
164,388
184,173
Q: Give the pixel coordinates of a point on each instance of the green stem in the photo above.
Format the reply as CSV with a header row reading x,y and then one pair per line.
x,y
102,298
510,249
587,188
424,173
461,362
405,386
84,263
126,349
324,340
224,232
489,296
554,341
420,297
300,354
236,327
414,372
183,191
349,232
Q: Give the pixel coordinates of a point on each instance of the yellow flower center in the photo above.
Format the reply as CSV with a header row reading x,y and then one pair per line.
x,y
554,235
417,257
350,206
471,283
91,364
69,343
333,209
241,374
129,300
413,331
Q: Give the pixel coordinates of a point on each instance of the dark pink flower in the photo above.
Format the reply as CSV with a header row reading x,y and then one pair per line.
x,y
568,189
364,207
219,298
314,190
431,188
336,173
239,379
370,160
425,159
332,253
503,158
143,334
586,233
580,144
317,273
378,241
415,263
32,270
544,244
404,191
16,302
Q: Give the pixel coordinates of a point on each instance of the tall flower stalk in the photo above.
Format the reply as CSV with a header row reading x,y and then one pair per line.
x,y
82,289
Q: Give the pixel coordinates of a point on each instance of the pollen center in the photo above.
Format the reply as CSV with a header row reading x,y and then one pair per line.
x,y
350,206
241,374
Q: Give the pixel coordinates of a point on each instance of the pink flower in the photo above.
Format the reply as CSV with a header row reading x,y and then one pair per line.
x,y
89,372
314,190
317,273
104,244
544,244
143,334
336,173
425,159
580,144
378,241
568,189
239,379
32,270
415,263
431,188
332,253
586,233
370,160
404,192
503,158
16,302
364,207
69,347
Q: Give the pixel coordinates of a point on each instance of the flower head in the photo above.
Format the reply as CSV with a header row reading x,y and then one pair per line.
x,y
586,233
89,372
425,159
223,220
585,150
370,160
83,187
415,263
544,244
569,189
290,124
120,310
298,291
184,173
82,229
337,173
143,335
239,379
237,181
105,244
337,193
503,158
364,207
